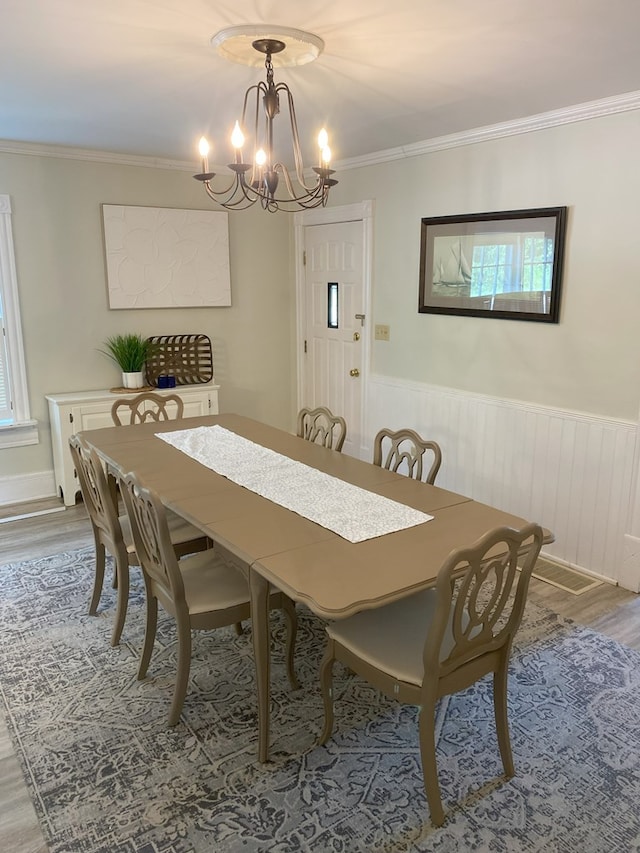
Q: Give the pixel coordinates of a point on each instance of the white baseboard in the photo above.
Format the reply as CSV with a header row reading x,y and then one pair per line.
x,y
27,487
629,575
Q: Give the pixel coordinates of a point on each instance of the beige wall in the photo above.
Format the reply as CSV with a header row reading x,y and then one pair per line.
x,y
590,362
57,232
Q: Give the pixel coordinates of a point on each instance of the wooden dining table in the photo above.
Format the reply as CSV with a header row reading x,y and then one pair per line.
x,y
272,545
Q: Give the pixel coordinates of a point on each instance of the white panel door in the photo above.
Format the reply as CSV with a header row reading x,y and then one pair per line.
x,y
334,332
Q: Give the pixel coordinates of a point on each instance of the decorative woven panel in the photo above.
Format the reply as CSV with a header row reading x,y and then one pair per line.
x,y
187,357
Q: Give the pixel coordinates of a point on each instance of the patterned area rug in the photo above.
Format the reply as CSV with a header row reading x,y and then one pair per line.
x,y
107,775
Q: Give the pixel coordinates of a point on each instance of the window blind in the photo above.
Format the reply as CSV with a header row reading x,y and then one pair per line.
x,y
5,395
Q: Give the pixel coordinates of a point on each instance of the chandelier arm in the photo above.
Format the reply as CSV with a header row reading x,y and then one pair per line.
x,y
217,196
278,167
251,192
257,89
226,197
282,169
223,190
241,204
293,123
291,204
316,191
256,124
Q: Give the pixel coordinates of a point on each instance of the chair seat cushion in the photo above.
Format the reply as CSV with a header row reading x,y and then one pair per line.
x,y
179,529
127,535
390,638
212,584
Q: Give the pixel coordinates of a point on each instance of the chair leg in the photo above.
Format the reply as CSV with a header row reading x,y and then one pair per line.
x,y
149,634
122,601
289,610
99,578
182,675
427,727
502,718
239,629
114,493
326,686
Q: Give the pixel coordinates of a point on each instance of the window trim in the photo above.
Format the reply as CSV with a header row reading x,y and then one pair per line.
x,y
23,430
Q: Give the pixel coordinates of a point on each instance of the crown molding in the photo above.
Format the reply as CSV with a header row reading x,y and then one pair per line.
x,y
36,149
531,124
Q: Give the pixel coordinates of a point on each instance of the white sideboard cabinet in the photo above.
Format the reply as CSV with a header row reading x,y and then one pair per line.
x,y
69,413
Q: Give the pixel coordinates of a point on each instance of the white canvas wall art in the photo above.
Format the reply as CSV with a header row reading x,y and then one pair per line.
x,y
158,257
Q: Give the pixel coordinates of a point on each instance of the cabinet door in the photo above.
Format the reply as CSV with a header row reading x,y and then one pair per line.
x,y
195,404
92,415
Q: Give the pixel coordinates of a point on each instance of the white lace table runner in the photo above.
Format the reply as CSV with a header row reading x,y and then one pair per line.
x,y
351,512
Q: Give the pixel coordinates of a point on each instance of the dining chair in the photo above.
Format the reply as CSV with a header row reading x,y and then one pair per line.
x,y
112,532
442,640
393,448
202,591
150,407
146,407
321,426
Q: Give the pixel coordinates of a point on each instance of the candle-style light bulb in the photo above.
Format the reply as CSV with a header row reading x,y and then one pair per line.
x,y
237,140
326,156
323,139
203,147
261,157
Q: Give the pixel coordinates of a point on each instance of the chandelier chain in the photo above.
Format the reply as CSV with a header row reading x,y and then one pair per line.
x,y
268,64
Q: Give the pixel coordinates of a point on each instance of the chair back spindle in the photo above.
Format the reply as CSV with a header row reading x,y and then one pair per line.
x,y
321,426
394,449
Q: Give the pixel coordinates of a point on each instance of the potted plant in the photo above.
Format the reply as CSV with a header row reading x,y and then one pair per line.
x,y
130,353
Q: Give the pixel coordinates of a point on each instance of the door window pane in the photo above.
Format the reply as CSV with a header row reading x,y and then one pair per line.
x,y
332,304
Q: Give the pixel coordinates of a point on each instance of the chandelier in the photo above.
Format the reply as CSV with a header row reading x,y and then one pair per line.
x,y
265,178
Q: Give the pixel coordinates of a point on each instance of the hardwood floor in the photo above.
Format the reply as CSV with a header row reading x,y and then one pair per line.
x,y
607,609
25,539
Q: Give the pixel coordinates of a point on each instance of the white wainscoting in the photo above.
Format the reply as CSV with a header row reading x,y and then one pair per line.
x,y
571,472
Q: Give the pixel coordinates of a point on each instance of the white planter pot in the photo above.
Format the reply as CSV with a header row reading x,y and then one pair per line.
x,y
133,380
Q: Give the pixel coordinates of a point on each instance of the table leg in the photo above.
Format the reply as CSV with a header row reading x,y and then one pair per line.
x,y
259,593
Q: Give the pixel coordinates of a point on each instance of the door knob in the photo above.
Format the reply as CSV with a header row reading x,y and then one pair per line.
x,y
354,372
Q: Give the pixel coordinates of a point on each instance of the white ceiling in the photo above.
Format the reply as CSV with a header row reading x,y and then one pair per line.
x,y
140,77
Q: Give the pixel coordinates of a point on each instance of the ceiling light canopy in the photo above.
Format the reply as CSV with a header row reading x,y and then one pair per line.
x,y
265,179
